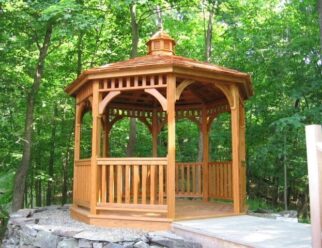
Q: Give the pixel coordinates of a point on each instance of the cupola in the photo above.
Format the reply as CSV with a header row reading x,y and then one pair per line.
x,y
161,44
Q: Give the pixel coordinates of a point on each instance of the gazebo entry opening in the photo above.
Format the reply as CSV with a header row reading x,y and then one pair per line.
x,y
158,89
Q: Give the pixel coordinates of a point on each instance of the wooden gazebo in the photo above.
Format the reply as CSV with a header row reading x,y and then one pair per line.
x,y
158,89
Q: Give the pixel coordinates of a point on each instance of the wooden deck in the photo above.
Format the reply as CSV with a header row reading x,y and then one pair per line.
x,y
152,220
198,209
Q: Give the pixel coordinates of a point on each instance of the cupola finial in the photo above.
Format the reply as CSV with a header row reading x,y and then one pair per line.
x,y
161,44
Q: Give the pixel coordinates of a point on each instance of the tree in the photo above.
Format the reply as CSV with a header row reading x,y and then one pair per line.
x,y
21,174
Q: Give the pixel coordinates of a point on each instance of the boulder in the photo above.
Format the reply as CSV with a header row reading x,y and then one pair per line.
x,y
46,239
141,244
68,243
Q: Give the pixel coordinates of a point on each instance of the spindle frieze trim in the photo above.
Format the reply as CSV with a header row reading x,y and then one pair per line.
x,y
133,83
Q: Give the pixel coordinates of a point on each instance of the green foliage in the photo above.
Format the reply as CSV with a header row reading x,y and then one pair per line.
x,y
276,41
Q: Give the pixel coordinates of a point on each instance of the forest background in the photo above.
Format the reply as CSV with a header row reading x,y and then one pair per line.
x,y
45,44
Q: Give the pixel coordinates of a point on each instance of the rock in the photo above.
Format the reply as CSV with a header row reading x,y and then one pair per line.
x,y
28,229
46,239
263,211
141,244
111,237
67,231
289,214
128,244
13,241
22,221
97,245
83,243
23,213
26,239
144,238
112,245
53,227
68,243
168,239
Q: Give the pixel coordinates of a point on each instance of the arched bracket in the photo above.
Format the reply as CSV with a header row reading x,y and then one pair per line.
x,y
162,100
184,84
83,107
227,93
109,97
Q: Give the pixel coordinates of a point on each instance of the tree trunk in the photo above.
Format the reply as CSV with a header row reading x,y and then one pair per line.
x,y
22,171
320,24
208,35
208,47
285,176
38,192
134,51
51,157
79,53
32,182
66,161
65,175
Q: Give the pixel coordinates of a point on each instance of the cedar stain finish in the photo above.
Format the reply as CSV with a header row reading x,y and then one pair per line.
x,y
158,89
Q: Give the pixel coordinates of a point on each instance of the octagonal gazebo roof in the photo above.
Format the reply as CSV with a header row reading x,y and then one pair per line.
x,y
161,58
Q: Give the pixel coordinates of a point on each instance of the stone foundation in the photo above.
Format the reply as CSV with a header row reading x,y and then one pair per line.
x,y
52,227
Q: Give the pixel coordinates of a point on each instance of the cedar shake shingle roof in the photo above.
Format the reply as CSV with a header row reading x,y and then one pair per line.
x,y
161,55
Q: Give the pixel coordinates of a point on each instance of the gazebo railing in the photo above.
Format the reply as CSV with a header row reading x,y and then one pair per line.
x,y
189,179
131,181
220,180
82,183
126,182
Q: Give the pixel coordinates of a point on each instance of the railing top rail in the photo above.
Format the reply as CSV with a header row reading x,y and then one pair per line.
x,y
132,161
83,162
220,162
189,163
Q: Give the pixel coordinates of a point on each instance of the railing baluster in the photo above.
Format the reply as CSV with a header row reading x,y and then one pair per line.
x,y
188,179
177,178
104,183
160,184
111,184
127,183
194,178
182,179
225,180
144,183
119,183
152,185
135,184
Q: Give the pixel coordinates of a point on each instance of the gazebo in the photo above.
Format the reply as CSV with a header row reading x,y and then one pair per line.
x,y
158,89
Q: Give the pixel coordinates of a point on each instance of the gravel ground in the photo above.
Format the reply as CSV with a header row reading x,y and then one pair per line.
x,y
60,216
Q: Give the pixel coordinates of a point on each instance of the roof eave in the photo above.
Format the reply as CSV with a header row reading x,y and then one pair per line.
x,y
228,76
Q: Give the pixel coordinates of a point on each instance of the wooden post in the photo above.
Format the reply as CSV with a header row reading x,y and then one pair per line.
x,y
78,123
171,94
106,133
95,147
242,153
235,133
314,163
154,133
205,155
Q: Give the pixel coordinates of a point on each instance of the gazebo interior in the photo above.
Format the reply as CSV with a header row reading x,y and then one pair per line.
x,y
158,89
